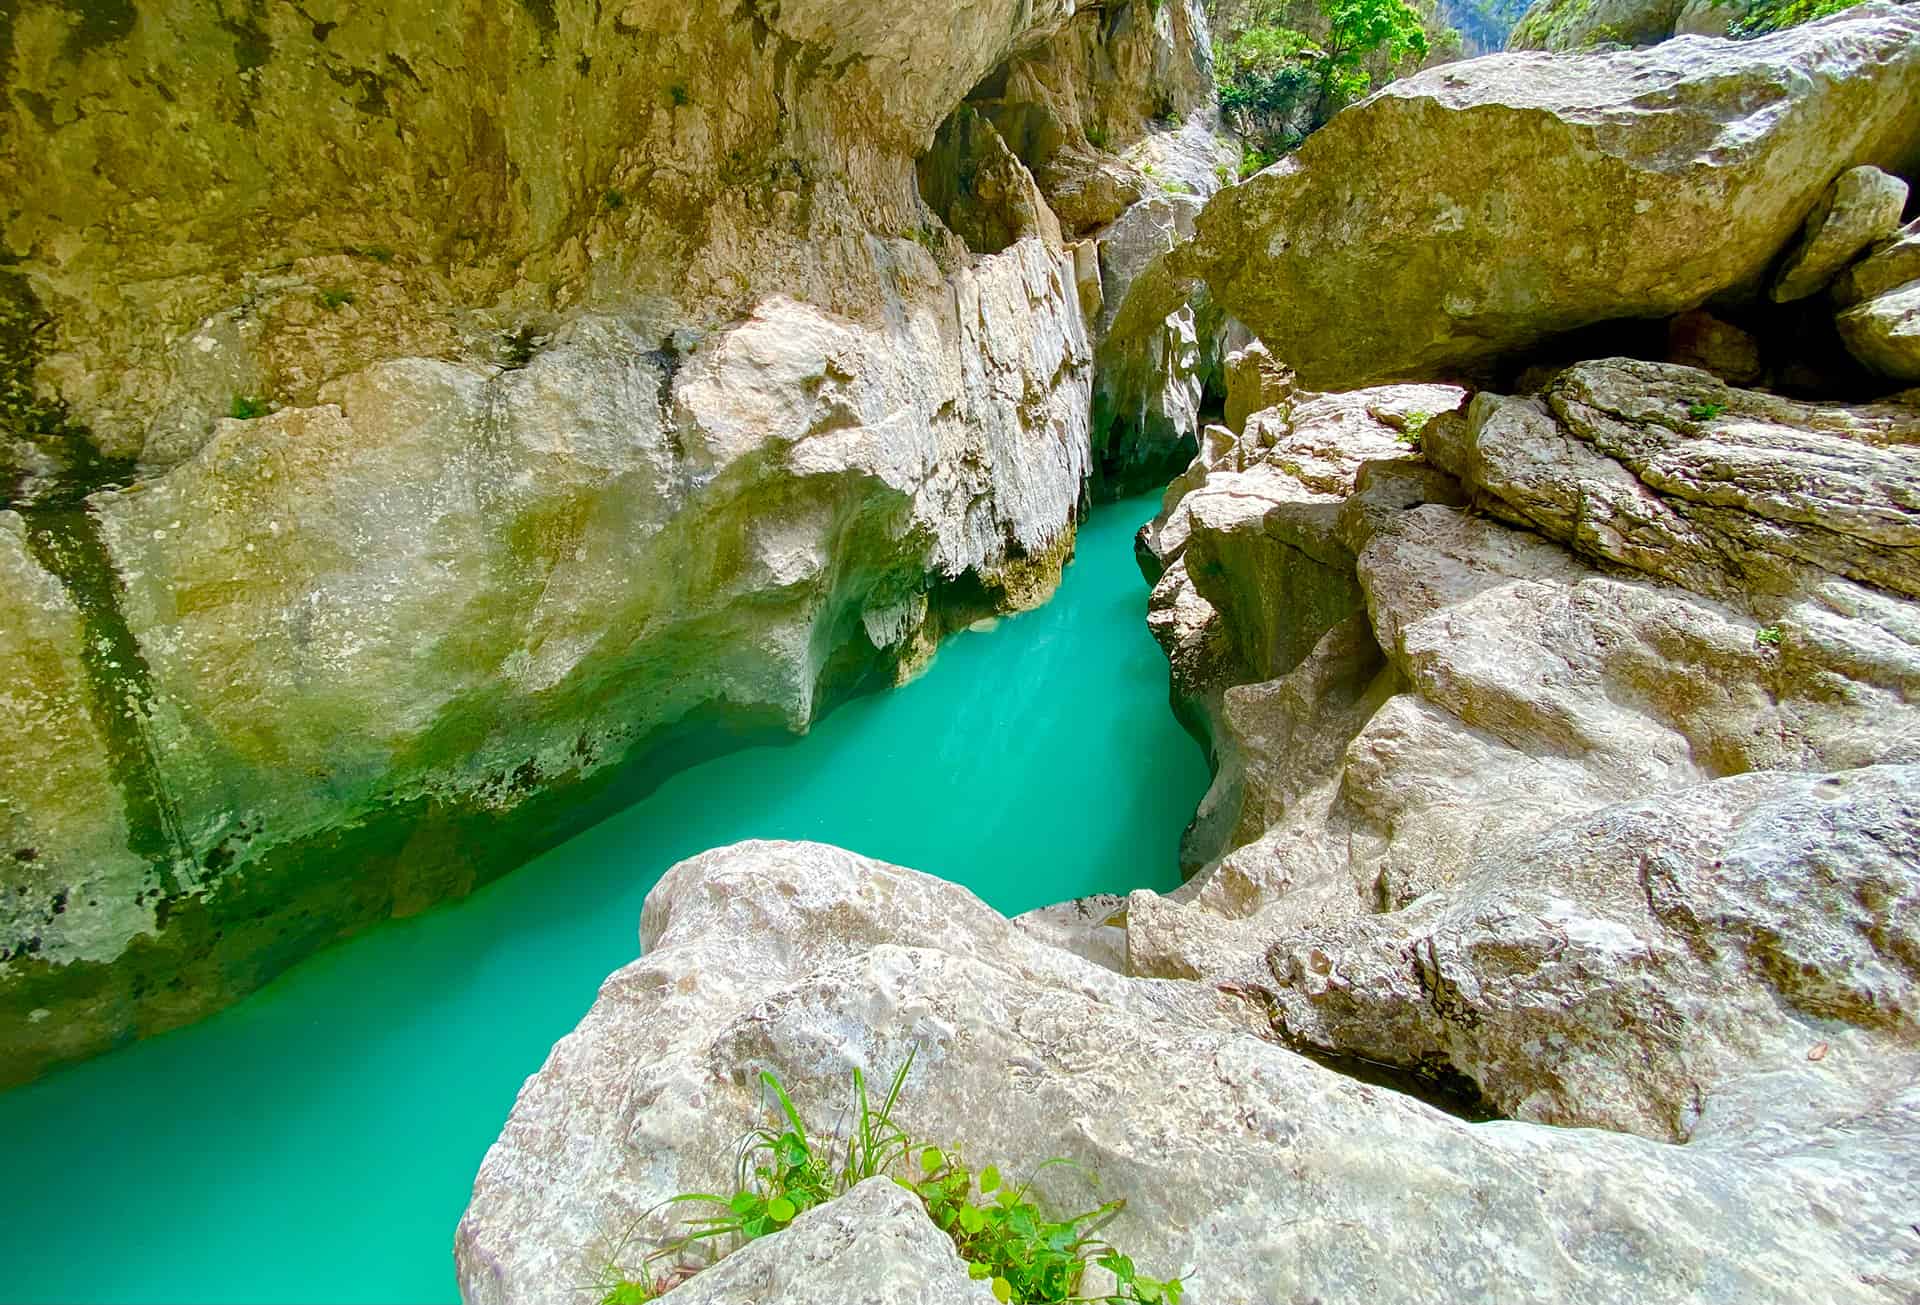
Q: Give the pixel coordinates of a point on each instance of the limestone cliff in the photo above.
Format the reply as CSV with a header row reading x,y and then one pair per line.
x,y
413,418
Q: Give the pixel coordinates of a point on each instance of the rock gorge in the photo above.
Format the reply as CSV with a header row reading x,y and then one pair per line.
x,y
1539,569
416,420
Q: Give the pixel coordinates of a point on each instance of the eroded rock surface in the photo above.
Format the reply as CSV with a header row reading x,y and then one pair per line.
x,y
1537,193
1258,1174
1614,971
478,401
1605,800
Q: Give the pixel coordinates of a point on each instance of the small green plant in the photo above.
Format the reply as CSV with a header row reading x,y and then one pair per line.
x,y
1410,433
1147,168
378,253
678,94
1254,159
1223,174
1006,1240
245,407
1767,636
1702,410
1176,187
333,300
615,199
1097,136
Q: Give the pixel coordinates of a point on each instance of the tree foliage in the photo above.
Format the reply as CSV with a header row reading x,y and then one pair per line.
x,y
1277,83
1763,16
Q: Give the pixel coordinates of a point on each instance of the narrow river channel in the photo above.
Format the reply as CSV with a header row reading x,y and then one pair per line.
x,y
318,1141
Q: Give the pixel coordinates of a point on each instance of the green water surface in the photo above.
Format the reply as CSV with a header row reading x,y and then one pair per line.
x,y
317,1143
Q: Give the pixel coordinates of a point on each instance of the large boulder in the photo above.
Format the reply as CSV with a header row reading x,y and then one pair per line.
x,y
1614,971
1476,208
1884,332
1260,1176
1891,264
1861,207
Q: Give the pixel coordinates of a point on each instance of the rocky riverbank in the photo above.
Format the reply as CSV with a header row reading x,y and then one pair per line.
x,y
416,420
1562,695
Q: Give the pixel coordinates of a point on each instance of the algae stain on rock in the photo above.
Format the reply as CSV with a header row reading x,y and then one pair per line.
x,y
66,541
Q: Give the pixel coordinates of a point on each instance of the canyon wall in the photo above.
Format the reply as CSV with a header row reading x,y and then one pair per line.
x,y
420,424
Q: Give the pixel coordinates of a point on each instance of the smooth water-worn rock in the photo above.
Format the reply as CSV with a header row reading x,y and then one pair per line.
x,y
1884,332
445,589
873,1246
1531,194
1862,206
1258,1175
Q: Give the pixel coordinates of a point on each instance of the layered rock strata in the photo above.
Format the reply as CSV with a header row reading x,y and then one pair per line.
x,y
418,423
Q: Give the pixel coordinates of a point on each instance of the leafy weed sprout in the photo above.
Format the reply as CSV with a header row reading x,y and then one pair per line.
x,y
1416,424
245,407
1702,410
1767,636
334,299
999,1231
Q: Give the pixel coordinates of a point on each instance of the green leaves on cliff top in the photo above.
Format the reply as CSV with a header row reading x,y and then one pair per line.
x,y
1278,84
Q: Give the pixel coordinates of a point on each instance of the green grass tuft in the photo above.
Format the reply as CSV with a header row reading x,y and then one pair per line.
x,y
1005,1238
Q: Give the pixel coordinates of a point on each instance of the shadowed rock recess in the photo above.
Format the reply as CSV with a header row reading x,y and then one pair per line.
x,y
1548,933
419,419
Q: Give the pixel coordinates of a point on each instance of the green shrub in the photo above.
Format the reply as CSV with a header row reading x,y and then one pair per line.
x,y
1763,16
1002,1234
1277,84
1704,410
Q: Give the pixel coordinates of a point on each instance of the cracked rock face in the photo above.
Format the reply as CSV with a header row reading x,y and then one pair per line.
x,y
634,385
1536,193
1614,971
1256,1173
1605,802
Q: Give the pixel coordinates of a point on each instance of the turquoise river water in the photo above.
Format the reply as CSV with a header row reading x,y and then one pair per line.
x,y
317,1142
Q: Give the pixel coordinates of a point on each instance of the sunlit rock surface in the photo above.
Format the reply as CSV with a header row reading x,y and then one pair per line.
x,y
1256,1173
1531,194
